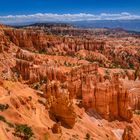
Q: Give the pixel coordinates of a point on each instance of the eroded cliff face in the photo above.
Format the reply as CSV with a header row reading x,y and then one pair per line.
x,y
109,98
72,77
106,96
7,55
120,54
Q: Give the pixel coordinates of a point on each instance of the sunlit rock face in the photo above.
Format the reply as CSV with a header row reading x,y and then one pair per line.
x,y
88,84
106,96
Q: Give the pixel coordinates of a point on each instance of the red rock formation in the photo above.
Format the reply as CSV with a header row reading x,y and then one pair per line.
x,y
128,134
57,128
109,98
119,56
60,107
62,111
64,69
41,42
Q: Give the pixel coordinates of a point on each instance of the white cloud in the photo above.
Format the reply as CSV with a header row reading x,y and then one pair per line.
x,y
44,17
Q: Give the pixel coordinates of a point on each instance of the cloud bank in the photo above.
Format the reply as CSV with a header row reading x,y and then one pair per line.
x,y
49,17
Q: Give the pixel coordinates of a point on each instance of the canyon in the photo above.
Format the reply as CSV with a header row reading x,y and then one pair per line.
x,y
68,83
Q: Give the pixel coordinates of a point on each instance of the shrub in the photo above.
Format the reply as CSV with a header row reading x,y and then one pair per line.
x,y
68,64
137,112
90,59
2,119
42,51
10,124
131,65
38,85
4,107
23,131
107,72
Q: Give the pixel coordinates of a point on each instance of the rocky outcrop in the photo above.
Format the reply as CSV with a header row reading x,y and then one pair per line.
x,y
135,98
128,134
108,97
56,129
105,94
33,69
19,101
39,41
60,106
62,111
7,55
78,80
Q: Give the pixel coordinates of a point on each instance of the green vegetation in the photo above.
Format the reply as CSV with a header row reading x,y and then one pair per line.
x,y
2,118
42,51
107,72
10,124
38,85
90,59
81,58
101,65
137,112
68,64
3,107
116,64
23,131
131,65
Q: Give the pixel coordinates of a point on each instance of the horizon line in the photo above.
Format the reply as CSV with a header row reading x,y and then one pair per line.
x,y
54,17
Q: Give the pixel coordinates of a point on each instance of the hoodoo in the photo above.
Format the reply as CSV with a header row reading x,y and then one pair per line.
x,y
73,84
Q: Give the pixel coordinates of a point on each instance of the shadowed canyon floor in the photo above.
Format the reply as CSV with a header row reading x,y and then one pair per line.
x,y
67,83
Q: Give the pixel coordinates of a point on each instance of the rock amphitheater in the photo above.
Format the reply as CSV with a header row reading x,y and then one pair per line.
x,y
69,85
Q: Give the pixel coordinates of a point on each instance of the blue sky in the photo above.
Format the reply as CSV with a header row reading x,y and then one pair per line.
x,y
68,6
93,7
